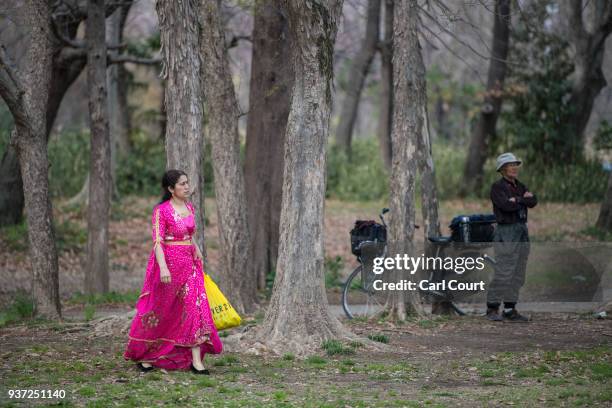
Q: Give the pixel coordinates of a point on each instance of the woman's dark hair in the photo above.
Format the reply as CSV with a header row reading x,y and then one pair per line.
x,y
170,178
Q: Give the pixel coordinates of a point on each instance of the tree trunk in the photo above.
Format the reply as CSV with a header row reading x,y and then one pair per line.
x,y
491,107
429,198
26,94
386,91
269,100
409,121
236,274
429,191
100,183
298,317
11,189
65,70
604,221
588,79
357,76
119,119
179,34
121,122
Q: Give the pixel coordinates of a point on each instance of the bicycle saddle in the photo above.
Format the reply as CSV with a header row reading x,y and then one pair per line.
x,y
440,240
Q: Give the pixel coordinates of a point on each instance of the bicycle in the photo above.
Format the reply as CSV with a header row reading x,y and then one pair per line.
x,y
361,299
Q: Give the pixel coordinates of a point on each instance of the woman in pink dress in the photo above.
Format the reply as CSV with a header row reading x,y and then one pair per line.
x,y
173,326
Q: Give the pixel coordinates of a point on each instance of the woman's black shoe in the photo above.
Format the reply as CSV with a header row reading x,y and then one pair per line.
x,y
143,368
196,371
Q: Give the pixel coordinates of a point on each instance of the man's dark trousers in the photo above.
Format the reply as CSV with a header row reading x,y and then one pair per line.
x,y
511,243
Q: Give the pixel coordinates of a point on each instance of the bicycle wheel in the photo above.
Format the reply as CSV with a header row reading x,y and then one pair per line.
x,y
359,301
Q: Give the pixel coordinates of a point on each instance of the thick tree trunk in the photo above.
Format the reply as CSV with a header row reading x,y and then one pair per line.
x,y
298,317
604,221
588,79
491,107
358,72
409,121
27,95
269,100
236,276
100,183
386,90
32,153
65,71
179,31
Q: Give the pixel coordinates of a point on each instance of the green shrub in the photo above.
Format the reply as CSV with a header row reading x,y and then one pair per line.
x,y
15,236
362,178
140,171
89,311
333,268
579,182
379,337
333,347
69,160
20,308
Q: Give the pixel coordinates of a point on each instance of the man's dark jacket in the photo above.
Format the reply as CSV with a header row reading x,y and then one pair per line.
x,y
508,212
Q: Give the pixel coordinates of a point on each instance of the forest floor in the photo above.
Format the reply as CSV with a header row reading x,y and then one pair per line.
x,y
562,359
555,360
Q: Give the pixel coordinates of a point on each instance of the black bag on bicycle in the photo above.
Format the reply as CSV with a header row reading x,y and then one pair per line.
x,y
366,231
473,228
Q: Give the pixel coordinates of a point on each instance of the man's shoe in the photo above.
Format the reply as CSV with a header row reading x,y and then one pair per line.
x,y
514,316
493,315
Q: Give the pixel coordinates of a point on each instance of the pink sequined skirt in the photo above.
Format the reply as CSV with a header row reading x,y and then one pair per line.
x,y
171,318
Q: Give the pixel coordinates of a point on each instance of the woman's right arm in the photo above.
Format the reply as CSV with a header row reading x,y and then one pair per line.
x,y
159,231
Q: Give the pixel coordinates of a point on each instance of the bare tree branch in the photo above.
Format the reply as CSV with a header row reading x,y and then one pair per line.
x,y
78,43
77,9
452,51
459,40
11,89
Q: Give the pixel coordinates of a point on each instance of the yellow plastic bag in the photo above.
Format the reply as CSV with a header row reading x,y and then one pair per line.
x,y
223,314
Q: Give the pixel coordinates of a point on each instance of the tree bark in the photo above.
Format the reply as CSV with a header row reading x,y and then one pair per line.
x,y
119,118
100,182
120,124
491,107
358,72
429,196
26,94
409,121
429,191
236,274
604,221
298,317
386,91
65,70
11,189
269,100
588,79
179,35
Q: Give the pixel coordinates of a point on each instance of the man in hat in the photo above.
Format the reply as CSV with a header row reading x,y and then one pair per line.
x,y
510,198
